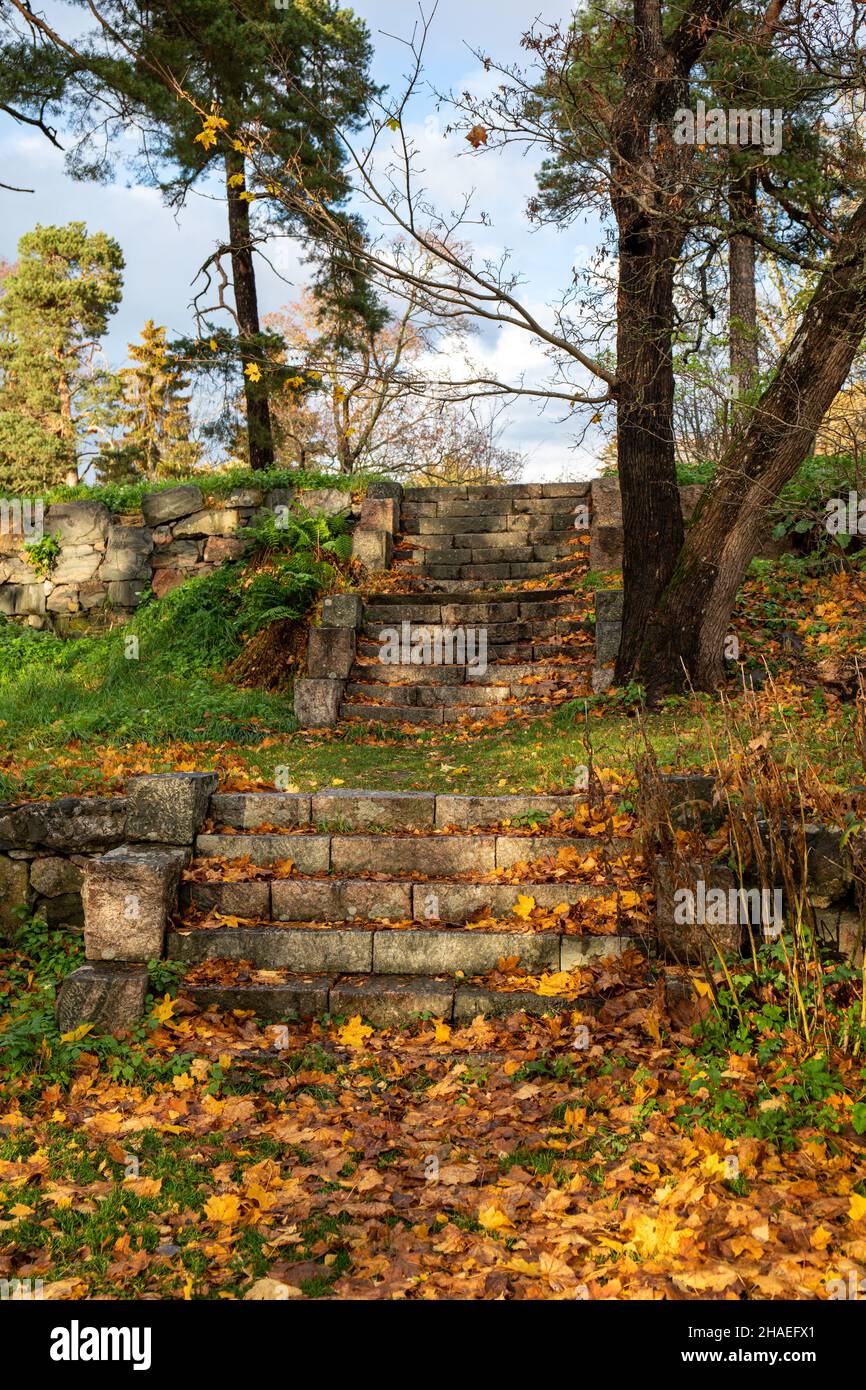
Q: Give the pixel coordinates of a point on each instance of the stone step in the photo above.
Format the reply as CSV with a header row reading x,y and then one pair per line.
x,y
478,596
426,696
522,630
547,552
434,715
470,607
505,649
547,660
376,950
534,569
385,1001
351,808
497,490
347,899
414,854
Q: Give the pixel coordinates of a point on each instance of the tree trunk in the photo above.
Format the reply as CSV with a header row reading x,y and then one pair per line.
x,y
651,513
259,431
742,301
684,640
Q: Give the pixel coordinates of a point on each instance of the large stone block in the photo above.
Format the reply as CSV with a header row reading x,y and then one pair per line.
x,y
19,600
128,896
830,871
317,702
78,523
601,680
13,892
577,950
250,899
302,949
64,911
169,808
373,549
389,1000
472,952
607,640
179,554
107,994
606,502
219,549
310,854
330,653
385,487
164,580
74,823
65,598
346,808
681,902
468,811
52,875
339,900
692,801
343,610
459,902
609,604
77,564
211,521
325,501
126,593
124,564
432,855
249,810
160,507
379,514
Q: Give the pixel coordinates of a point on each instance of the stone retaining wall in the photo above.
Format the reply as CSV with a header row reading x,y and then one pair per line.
x,y
108,560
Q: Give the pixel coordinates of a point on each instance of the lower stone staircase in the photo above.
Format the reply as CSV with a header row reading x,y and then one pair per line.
x,y
480,619
395,904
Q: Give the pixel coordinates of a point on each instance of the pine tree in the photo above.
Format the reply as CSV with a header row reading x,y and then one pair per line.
x,y
155,440
295,69
55,305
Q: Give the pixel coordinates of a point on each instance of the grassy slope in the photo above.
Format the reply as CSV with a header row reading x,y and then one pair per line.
x,y
80,714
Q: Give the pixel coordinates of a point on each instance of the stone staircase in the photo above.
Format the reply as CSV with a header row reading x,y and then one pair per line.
x,y
394,904
492,567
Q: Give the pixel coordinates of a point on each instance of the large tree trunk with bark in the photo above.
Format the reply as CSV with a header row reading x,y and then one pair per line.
x,y
651,514
684,640
742,299
260,434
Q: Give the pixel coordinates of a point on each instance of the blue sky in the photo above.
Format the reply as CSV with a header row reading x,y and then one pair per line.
x,y
163,250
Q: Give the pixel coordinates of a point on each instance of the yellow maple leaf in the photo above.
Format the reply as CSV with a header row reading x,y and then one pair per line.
x,y
164,1009
492,1219
225,1209
524,906
252,371
443,1032
857,1207
214,345
184,1082
206,137
629,898
354,1033
820,1238
76,1034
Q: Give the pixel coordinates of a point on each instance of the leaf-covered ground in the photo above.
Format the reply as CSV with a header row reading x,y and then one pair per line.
x,y
617,1157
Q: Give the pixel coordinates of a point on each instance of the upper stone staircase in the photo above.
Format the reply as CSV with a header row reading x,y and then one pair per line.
x,y
498,564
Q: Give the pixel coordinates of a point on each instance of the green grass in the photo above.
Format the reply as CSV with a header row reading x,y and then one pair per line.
x,y
215,484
